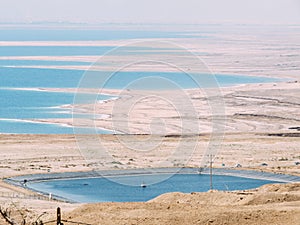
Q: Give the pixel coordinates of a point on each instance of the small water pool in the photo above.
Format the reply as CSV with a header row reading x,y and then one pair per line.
x,y
101,189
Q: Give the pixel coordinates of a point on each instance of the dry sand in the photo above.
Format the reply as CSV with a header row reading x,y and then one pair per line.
x,y
27,154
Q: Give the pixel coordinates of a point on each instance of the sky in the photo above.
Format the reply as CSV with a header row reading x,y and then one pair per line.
x,y
151,11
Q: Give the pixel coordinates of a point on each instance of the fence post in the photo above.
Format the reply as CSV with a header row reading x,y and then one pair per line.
x,y
59,217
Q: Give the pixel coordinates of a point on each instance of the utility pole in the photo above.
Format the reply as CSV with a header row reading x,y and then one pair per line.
x,y
210,171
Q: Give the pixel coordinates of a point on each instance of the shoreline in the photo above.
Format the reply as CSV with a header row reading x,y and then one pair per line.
x,y
84,68
244,173
115,97
262,93
103,122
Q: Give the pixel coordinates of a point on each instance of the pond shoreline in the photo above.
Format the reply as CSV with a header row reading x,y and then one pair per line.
x,y
22,181
253,174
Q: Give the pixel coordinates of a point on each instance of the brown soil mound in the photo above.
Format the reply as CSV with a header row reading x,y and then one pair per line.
x,y
292,187
270,204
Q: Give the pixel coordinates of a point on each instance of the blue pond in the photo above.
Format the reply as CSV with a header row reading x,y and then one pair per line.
x,y
104,190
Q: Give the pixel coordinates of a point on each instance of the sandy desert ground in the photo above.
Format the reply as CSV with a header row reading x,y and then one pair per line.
x,y
59,153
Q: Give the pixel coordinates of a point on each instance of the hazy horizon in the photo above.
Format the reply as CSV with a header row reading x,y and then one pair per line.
x,y
151,12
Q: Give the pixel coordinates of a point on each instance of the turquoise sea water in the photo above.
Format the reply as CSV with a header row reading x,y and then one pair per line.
x,y
104,190
60,78
25,127
18,107
81,35
19,104
41,63
21,100
26,104
76,50
39,78
34,104
52,50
